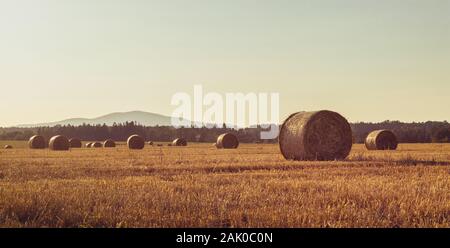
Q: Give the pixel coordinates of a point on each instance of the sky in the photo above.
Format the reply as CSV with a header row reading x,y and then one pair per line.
x,y
368,60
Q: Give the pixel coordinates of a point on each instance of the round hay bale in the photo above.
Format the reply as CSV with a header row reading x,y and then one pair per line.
x,y
109,143
150,143
381,140
75,143
37,142
8,147
96,145
227,141
159,145
59,143
88,145
179,142
135,142
320,135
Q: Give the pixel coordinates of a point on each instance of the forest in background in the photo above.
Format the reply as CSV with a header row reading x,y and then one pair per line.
x,y
424,132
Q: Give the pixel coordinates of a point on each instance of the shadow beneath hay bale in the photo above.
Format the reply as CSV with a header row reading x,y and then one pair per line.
x,y
414,162
405,161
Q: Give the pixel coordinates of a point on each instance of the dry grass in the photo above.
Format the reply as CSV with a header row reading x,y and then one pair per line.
x,y
200,186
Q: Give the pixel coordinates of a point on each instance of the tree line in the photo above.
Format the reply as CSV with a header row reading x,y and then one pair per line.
x,y
417,132
424,132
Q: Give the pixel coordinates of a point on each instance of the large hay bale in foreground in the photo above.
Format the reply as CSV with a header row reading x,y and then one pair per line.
x,y
136,142
75,143
179,142
227,141
8,147
109,143
381,140
59,143
96,145
37,142
320,135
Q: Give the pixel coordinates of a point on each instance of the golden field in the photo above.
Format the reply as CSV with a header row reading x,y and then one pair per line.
x,y
200,186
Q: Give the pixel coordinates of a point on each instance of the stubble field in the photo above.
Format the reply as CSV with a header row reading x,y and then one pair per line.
x,y
200,186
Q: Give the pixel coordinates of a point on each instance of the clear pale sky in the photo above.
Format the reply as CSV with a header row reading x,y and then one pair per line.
x,y
369,60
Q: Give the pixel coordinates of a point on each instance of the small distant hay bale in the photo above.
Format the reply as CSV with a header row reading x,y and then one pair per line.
x,y
135,142
227,141
169,144
37,142
75,143
381,140
96,145
88,145
59,143
109,143
159,145
8,147
150,143
320,135
179,142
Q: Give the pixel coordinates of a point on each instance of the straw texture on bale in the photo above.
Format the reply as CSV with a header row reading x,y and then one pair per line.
x,y
381,140
227,141
37,142
320,135
135,142
75,143
8,147
109,143
96,145
179,142
59,143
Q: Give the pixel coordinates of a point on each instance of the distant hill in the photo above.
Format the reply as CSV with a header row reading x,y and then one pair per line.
x,y
141,117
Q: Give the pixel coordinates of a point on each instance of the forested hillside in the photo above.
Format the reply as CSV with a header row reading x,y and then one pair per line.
x,y
406,132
